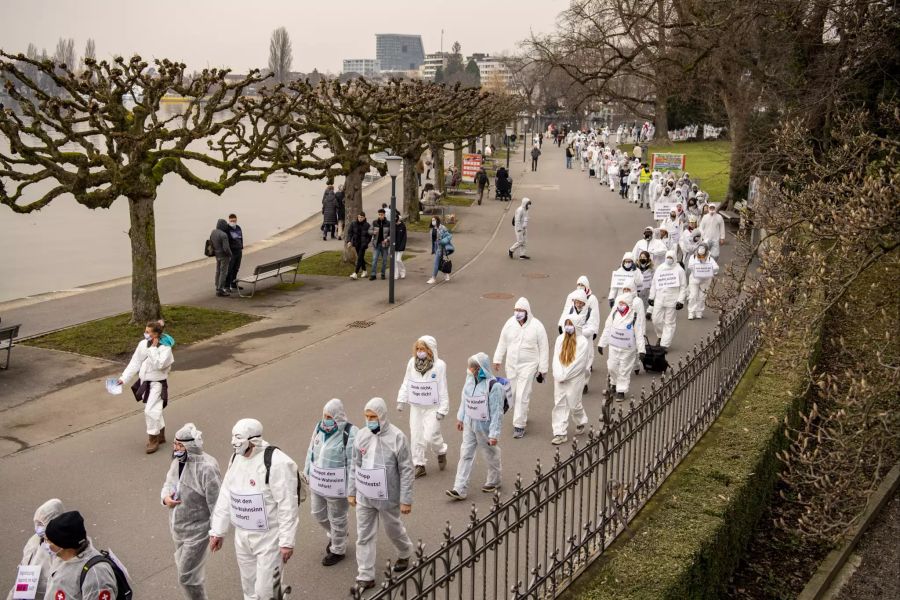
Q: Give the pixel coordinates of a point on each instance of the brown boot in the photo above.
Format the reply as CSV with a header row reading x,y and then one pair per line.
x,y
152,444
161,438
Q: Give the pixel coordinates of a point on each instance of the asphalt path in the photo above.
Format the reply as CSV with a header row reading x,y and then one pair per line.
x,y
576,227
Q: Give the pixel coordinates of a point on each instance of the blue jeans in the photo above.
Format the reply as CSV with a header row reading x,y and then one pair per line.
x,y
383,253
438,254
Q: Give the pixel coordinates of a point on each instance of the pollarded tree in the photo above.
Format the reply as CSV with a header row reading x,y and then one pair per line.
x,y
88,140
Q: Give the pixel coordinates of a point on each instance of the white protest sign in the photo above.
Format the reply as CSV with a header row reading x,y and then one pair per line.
x,y
620,280
662,210
372,483
113,386
666,278
477,408
248,512
702,270
423,393
621,337
331,483
675,234
27,580
648,279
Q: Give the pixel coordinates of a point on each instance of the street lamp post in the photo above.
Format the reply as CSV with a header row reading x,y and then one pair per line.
x,y
530,139
509,132
393,169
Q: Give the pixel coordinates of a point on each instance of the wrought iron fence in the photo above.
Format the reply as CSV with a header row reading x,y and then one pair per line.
x,y
534,543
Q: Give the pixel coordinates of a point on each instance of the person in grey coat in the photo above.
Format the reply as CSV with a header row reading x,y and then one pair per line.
x,y
222,247
329,212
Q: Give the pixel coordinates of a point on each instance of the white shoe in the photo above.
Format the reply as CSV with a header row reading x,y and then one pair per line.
x,y
353,276
363,275
447,277
430,281
403,276
558,439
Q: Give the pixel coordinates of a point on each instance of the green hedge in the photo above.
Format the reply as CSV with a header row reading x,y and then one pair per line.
x,y
688,539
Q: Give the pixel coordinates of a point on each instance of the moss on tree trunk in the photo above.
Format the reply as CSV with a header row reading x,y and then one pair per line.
x,y
738,129
145,304
439,173
410,189
458,155
353,194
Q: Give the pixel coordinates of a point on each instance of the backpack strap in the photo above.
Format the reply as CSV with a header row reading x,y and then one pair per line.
x,y
267,459
94,560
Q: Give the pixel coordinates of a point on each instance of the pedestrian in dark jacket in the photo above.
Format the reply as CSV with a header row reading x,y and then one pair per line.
x,y
222,248
341,211
399,247
329,212
236,243
359,237
535,154
482,180
381,230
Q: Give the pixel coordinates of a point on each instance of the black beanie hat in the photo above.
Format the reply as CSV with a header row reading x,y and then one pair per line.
x,y
67,530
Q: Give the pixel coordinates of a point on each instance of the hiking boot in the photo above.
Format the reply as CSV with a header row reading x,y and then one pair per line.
x,y
579,429
420,471
161,438
152,444
401,565
362,584
518,432
559,440
490,488
332,559
442,461
455,495
620,395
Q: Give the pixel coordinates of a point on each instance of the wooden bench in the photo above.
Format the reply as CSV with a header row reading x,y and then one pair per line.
x,y
277,268
7,335
730,217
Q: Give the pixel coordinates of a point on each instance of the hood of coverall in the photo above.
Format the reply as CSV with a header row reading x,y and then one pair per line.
x,y
671,254
483,361
246,429
525,203
48,511
191,438
522,304
432,345
580,296
379,407
335,408
627,298
583,280
628,256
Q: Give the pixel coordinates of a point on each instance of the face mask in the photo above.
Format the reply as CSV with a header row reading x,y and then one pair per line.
x,y
328,424
421,355
179,454
373,426
520,315
482,374
644,262
241,447
672,216
622,309
570,329
433,223
627,265
232,225
39,530
146,336
670,261
648,235
48,550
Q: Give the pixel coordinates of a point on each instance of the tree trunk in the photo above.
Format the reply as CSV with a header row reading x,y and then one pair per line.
x,y
472,148
410,189
661,118
145,304
738,127
458,155
439,172
353,194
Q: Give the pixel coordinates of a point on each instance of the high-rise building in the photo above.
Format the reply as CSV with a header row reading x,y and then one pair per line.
x,y
431,64
367,67
397,52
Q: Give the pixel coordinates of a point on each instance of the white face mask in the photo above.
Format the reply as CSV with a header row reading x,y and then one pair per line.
x,y
570,329
47,549
146,336
39,530
520,315
433,223
240,446
421,355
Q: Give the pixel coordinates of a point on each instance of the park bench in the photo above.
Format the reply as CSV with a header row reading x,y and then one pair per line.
x,y
730,216
431,204
7,335
277,268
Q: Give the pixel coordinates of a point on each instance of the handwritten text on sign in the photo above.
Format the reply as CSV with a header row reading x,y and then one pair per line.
x,y
702,270
621,338
666,279
331,483
662,210
372,483
424,393
477,408
26,582
248,512
620,280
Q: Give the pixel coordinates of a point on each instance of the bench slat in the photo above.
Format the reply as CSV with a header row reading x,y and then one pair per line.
x,y
277,265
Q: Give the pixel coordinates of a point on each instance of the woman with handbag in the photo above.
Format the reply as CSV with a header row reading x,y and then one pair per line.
x,y
441,247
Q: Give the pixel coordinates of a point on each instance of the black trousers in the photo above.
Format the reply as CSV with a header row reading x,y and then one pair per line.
x,y
360,259
534,164
234,265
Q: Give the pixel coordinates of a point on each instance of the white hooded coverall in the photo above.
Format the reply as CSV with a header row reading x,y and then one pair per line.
x,y
668,289
526,350
481,413
622,276
36,552
196,486
269,516
382,467
328,460
623,336
712,226
568,384
586,322
702,270
429,401
520,223
151,363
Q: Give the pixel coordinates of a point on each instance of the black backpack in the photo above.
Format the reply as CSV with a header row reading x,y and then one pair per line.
x,y
208,249
122,585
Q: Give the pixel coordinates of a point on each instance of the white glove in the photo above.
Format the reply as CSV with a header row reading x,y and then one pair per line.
x,y
401,406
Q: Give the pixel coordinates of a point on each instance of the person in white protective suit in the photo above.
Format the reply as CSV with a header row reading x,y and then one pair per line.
x,y
520,224
690,240
623,335
585,318
480,417
653,190
645,267
327,467
190,493
524,346
667,295
650,244
382,490
626,273
712,226
36,552
151,363
702,268
424,388
262,506
570,354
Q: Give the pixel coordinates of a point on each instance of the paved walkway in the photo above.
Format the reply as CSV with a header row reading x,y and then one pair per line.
x,y
284,368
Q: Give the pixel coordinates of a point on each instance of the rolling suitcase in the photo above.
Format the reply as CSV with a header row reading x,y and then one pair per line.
x,y
654,358
591,173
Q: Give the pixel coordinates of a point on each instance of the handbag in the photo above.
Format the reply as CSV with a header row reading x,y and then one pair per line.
x,y
446,265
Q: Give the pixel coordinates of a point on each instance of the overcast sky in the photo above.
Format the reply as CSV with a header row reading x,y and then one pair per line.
x,y
235,33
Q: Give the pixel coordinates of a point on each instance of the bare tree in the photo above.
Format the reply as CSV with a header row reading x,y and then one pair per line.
x,y
112,151
65,53
281,55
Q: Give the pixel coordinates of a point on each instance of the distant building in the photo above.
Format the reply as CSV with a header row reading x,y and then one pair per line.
x,y
431,65
396,52
367,67
494,73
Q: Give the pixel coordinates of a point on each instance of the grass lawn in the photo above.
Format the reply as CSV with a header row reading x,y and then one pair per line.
x,y
329,263
114,338
457,201
707,161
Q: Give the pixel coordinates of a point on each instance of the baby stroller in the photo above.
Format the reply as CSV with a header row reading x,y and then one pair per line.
x,y
503,188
